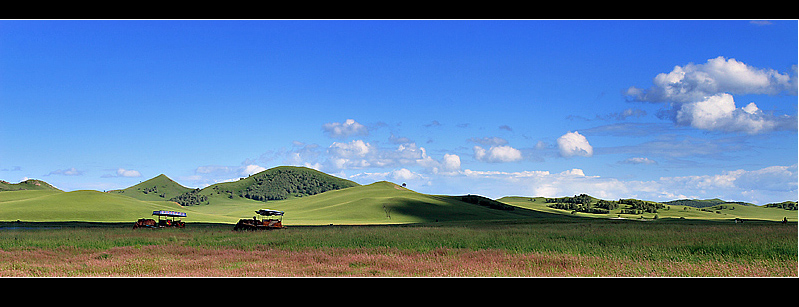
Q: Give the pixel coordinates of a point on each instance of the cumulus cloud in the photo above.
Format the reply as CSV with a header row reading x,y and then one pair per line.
x,y
497,154
345,129
121,172
718,112
574,144
451,163
700,95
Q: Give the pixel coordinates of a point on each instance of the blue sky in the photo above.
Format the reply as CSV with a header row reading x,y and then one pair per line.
x,y
657,110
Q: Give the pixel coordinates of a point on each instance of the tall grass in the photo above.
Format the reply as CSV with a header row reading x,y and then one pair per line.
x,y
520,249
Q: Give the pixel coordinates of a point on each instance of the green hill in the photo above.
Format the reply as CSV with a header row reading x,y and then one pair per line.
x,y
92,206
277,183
30,184
310,197
159,187
703,203
378,203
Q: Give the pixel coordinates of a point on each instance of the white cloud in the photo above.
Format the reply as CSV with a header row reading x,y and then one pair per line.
x,y
451,163
121,172
66,172
718,112
700,95
404,174
251,169
398,175
353,149
694,82
574,144
345,129
497,154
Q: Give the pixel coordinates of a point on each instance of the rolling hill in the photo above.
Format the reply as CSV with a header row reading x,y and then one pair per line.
x,y
378,203
159,187
310,197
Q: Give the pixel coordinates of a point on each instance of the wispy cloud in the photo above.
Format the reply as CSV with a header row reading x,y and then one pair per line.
x,y
489,141
66,172
637,160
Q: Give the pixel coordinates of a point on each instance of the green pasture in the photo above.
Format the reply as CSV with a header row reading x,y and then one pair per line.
x,y
85,205
377,203
725,211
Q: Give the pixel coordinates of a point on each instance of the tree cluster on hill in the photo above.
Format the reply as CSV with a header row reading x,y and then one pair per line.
x,y
638,206
584,203
787,205
273,184
190,198
582,199
579,203
154,189
282,183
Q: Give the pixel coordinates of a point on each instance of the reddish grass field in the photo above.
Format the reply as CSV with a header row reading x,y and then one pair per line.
x,y
514,251
181,261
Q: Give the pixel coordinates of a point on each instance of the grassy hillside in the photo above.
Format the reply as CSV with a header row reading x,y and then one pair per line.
x,y
720,211
30,184
158,188
309,197
95,206
377,203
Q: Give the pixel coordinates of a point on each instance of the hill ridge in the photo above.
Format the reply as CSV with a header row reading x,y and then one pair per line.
x,y
29,184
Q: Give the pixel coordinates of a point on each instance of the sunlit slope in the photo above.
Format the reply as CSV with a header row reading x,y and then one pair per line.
x,y
89,206
157,188
377,203
722,211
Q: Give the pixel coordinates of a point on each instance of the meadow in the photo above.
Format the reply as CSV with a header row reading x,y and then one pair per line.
x,y
575,247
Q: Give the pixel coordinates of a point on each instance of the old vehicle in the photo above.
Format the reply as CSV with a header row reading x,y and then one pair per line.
x,y
265,223
163,220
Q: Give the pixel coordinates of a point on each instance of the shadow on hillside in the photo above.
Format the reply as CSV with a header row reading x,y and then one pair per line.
x,y
455,210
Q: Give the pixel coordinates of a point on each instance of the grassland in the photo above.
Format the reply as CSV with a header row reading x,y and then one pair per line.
x,y
380,229
570,247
